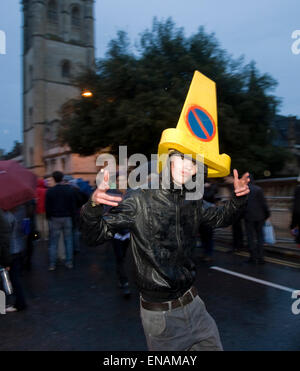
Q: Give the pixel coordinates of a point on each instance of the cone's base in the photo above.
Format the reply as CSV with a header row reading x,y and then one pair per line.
x,y
218,164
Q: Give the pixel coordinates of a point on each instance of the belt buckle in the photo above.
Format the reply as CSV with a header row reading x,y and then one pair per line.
x,y
181,301
191,293
186,297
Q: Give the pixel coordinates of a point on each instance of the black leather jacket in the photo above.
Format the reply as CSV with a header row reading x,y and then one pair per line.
x,y
163,226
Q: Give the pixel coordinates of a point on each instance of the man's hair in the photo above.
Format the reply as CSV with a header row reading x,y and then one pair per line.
x,y
58,176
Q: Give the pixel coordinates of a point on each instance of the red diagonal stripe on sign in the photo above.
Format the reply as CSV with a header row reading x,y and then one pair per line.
x,y
200,123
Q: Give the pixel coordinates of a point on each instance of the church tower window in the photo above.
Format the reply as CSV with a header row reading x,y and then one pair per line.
x,y
66,69
30,114
31,158
30,76
52,13
75,17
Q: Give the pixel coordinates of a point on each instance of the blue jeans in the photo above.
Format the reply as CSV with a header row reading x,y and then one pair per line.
x,y
56,226
76,239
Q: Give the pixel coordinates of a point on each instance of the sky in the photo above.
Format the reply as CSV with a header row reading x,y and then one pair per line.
x,y
260,30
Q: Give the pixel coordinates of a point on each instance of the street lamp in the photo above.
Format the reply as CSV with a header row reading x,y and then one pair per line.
x,y
87,94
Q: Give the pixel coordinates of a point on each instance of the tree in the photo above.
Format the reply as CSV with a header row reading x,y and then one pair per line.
x,y
16,151
137,93
2,154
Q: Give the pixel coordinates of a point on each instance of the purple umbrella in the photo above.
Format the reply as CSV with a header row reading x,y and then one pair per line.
x,y
17,185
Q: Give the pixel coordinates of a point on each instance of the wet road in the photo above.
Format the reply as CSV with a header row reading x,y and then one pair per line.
x,y
83,309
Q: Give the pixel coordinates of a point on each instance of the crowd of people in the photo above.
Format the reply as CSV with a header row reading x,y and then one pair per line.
x,y
249,222
54,216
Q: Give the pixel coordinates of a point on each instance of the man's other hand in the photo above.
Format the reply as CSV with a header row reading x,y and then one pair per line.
x,y
241,187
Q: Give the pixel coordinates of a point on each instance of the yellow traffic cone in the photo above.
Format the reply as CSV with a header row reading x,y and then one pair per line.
x,y
197,129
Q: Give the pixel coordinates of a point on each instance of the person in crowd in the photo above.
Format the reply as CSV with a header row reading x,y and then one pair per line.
x,y
32,234
237,225
41,221
163,224
5,235
295,222
15,219
256,213
61,208
81,198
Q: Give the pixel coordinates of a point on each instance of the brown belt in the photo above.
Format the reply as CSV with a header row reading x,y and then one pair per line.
x,y
183,300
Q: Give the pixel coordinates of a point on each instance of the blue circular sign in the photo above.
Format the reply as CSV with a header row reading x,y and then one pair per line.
x,y
200,123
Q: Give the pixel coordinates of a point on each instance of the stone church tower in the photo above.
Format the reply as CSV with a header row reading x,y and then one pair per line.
x,y
58,38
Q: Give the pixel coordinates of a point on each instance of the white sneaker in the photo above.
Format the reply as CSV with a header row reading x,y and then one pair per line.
x,y
11,309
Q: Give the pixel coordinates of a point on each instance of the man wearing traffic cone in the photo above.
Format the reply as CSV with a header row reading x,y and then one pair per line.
x,y
164,222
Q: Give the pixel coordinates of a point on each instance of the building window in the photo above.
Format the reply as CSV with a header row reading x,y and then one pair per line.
x,y
66,69
30,121
53,164
75,21
63,164
52,13
30,76
31,157
46,163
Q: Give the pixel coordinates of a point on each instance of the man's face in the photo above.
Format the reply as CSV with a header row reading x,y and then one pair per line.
x,y
182,169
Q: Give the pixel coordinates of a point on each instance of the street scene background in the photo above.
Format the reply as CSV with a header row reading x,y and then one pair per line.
x,y
81,78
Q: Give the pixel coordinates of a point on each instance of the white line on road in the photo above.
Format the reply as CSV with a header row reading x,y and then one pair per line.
x,y
249,278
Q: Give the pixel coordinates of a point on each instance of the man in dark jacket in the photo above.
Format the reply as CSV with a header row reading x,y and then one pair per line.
x,y
256,213
61,207
163,225
5,257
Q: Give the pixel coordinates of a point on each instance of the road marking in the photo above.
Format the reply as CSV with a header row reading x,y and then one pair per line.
x,y
267,259
273,260
249,278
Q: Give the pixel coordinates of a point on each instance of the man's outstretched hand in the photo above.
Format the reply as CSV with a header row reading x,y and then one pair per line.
x,y
101,197
241,185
